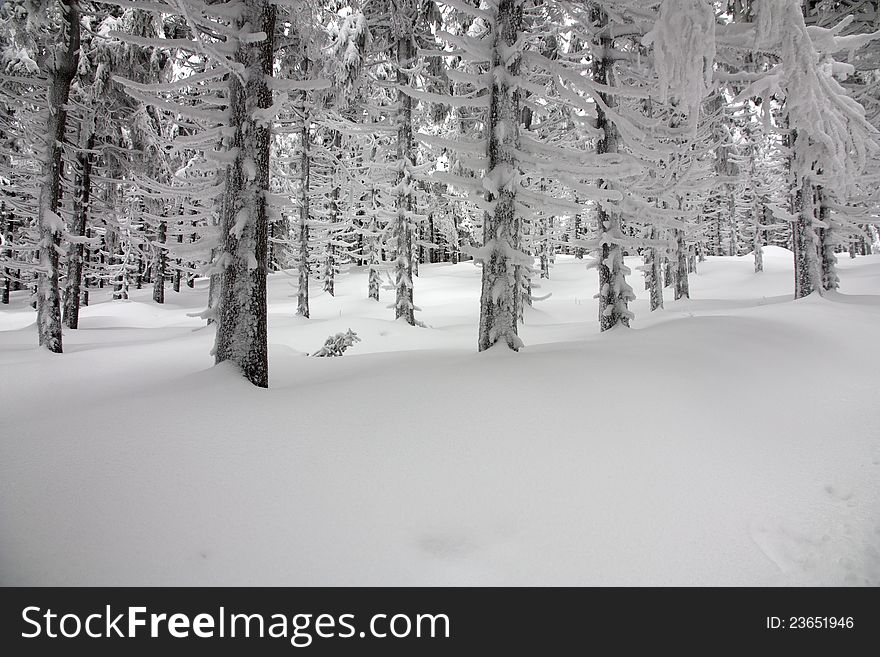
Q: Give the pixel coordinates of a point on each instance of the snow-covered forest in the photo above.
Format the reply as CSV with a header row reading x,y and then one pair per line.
x,y
658,217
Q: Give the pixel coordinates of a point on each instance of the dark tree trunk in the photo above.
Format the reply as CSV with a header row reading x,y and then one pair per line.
x,y
241,316
175,277
302,297
7,219
682,289
160,263
61,70
578,234
81,200
614,292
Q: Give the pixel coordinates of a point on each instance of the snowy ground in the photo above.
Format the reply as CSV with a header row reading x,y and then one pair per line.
x,y
733,439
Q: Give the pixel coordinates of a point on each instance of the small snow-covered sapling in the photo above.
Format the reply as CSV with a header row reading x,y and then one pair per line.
x,y
335,345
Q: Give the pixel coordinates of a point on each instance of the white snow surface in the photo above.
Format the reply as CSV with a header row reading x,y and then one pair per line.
x,y
732,439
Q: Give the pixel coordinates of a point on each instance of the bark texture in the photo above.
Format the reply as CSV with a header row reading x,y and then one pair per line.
x,y
502,226
241,314
61,68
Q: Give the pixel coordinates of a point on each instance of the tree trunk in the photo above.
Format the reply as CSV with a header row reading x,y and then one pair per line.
x,y
373,280
160,263
827,243
213,289
374,251
808,276
87,258
241,314
431,253
614,292
758,246
502,227
330,264
653,273
682,288
403,268
75,251
61,70
544,257
6,230
302,295
578,233
733,245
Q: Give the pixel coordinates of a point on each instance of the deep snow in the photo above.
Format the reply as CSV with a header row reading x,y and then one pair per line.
x,y
733,439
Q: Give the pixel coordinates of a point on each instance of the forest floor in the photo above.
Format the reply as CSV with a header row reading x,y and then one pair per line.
x,y
730,439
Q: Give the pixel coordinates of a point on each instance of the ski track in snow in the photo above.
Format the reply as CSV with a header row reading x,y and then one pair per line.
x,y
730,439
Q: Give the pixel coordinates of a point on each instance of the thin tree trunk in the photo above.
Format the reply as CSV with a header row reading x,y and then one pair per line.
x,y
81,200
374,254
682,288
403,269
654,273
330,256
160,263
88,259
758,247
578,233
6,230
733,245
302,297
544,257
431,253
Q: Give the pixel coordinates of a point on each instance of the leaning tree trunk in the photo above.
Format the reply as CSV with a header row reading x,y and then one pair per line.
x,y
82,195
62,65
502,226
241,313
614,292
